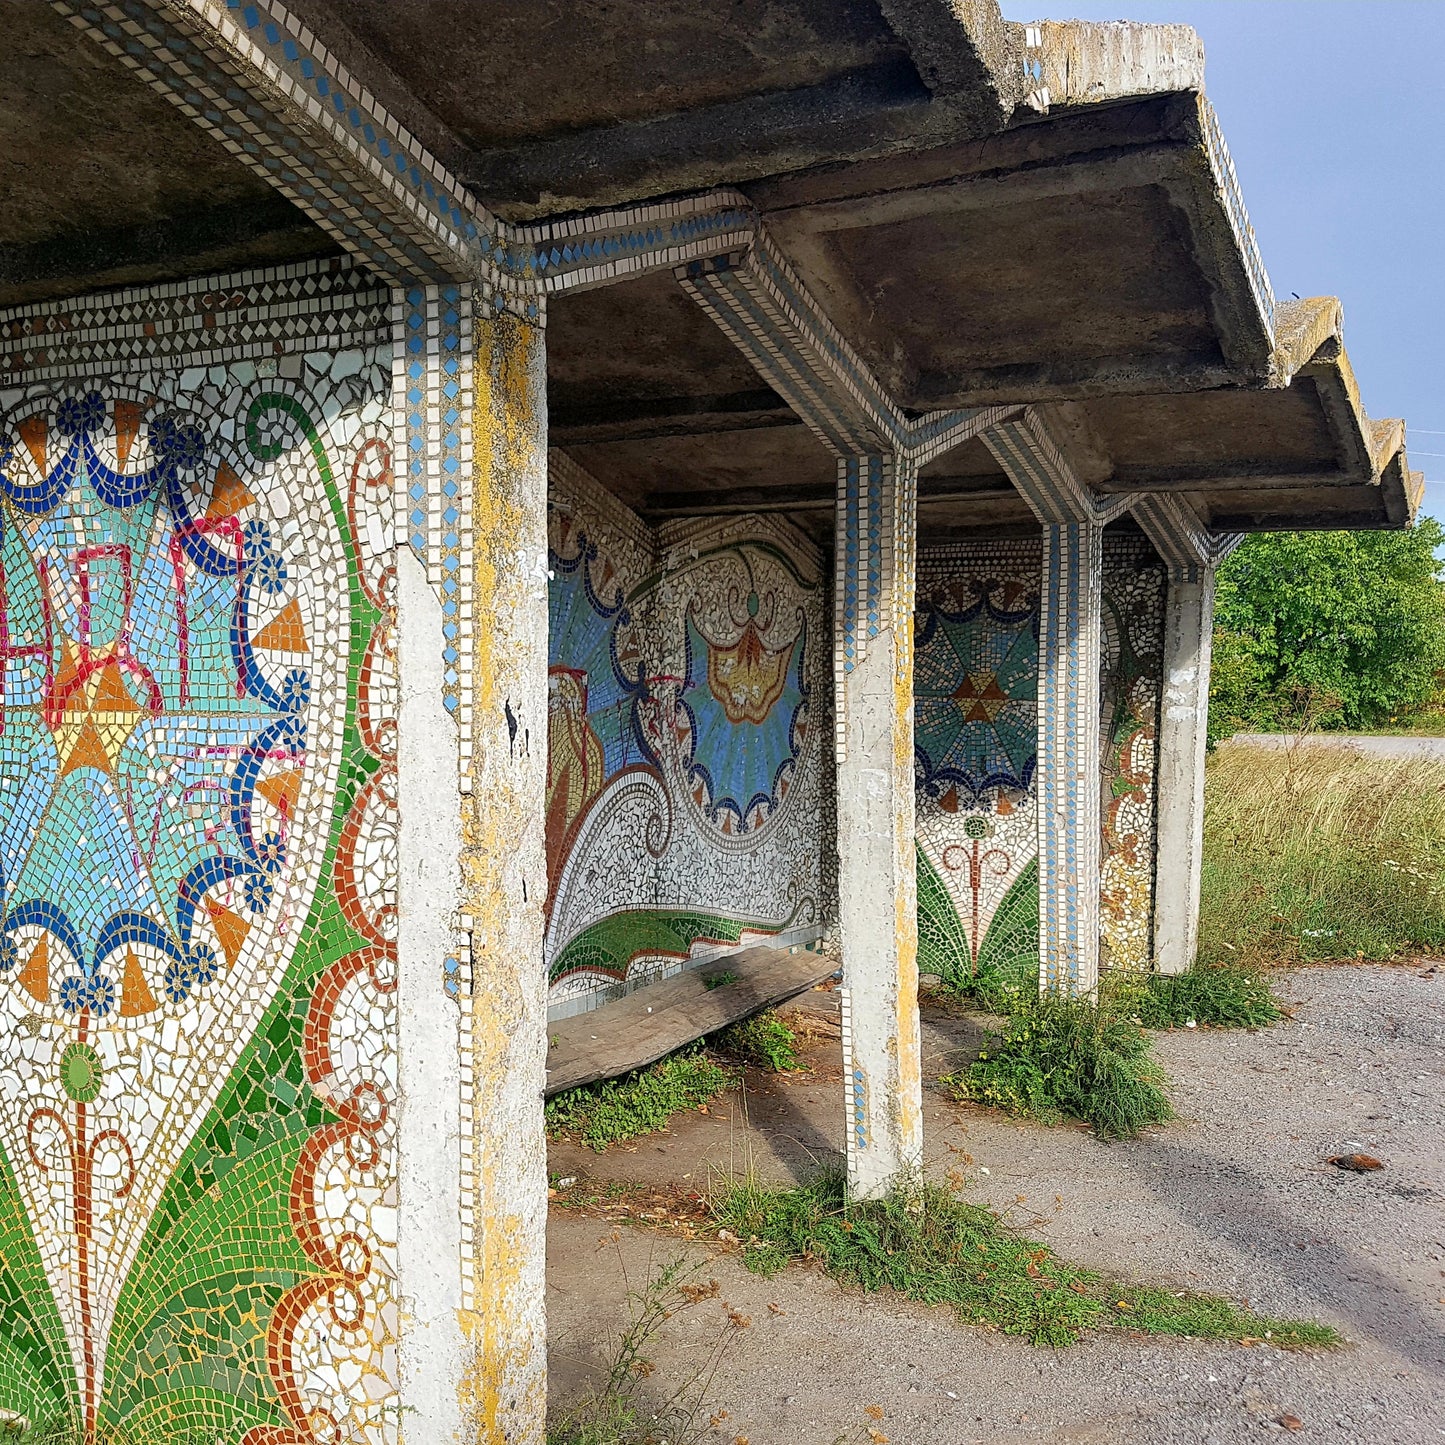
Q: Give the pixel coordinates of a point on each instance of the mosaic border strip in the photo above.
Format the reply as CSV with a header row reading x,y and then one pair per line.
x,y
433,398
237,69
1071,598
211,321
262,83
1179,537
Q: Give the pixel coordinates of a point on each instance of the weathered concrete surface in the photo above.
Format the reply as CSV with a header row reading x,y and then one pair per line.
x,y
1179,767
1082,62
431,1348
107,184
546,106
877,912
503,869
1235,1197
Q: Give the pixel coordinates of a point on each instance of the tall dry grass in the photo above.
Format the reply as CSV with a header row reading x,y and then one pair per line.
x,y
1320,853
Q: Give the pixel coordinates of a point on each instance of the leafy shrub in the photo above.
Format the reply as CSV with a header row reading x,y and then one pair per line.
x,y
764,1040
1344,628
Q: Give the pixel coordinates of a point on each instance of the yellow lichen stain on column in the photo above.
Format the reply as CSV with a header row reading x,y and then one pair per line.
x,y
909,1062
503,1394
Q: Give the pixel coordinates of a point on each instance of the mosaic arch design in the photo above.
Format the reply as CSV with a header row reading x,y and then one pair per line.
x,y
684,806
194,664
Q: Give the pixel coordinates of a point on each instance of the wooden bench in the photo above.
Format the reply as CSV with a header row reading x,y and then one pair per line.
x,y
640,1028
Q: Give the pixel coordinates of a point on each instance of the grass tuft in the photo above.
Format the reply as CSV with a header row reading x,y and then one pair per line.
x,y
1068,1058
1224,996
638,1103
763,1040
935,1248
1314,853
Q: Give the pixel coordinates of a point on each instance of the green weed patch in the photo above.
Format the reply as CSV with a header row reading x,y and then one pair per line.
x,y
763,1040
637,1103
1219,997
1067,1058
935,1248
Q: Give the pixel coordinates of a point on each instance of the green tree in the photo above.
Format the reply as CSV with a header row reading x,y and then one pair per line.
x,y
1339,629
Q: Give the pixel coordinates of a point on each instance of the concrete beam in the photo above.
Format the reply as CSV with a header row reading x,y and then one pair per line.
x,y
1078,62
214,240
273,95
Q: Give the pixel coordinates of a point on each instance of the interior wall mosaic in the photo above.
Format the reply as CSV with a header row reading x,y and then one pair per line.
x,y
1130,683
975,689
975,754
685,737
197,867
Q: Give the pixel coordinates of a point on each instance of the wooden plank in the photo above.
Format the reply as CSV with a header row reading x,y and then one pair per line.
x,y
640,1028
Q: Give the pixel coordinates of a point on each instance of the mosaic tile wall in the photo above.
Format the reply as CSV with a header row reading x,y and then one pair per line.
x,y
975,709
686,741
1130,683
197,863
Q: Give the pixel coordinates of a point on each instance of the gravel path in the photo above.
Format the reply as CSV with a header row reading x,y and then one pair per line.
x,y
1235,1197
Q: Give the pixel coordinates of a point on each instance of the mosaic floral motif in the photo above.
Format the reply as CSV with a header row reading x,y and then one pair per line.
x,y
684,797
1131,676
976,678
976,738
195,1206
746,711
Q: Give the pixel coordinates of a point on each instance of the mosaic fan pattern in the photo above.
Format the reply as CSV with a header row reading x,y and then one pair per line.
x,y
975,684
198,871
684,783
746,710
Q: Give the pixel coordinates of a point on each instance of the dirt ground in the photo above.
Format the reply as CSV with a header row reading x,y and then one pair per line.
x,y
1235,1198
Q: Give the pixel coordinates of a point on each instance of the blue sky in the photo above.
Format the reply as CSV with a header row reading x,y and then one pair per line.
x,y
1337,128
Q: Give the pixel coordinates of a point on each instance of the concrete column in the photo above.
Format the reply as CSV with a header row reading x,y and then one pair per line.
x,y
873,663
1068,757
471,776
1179,765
